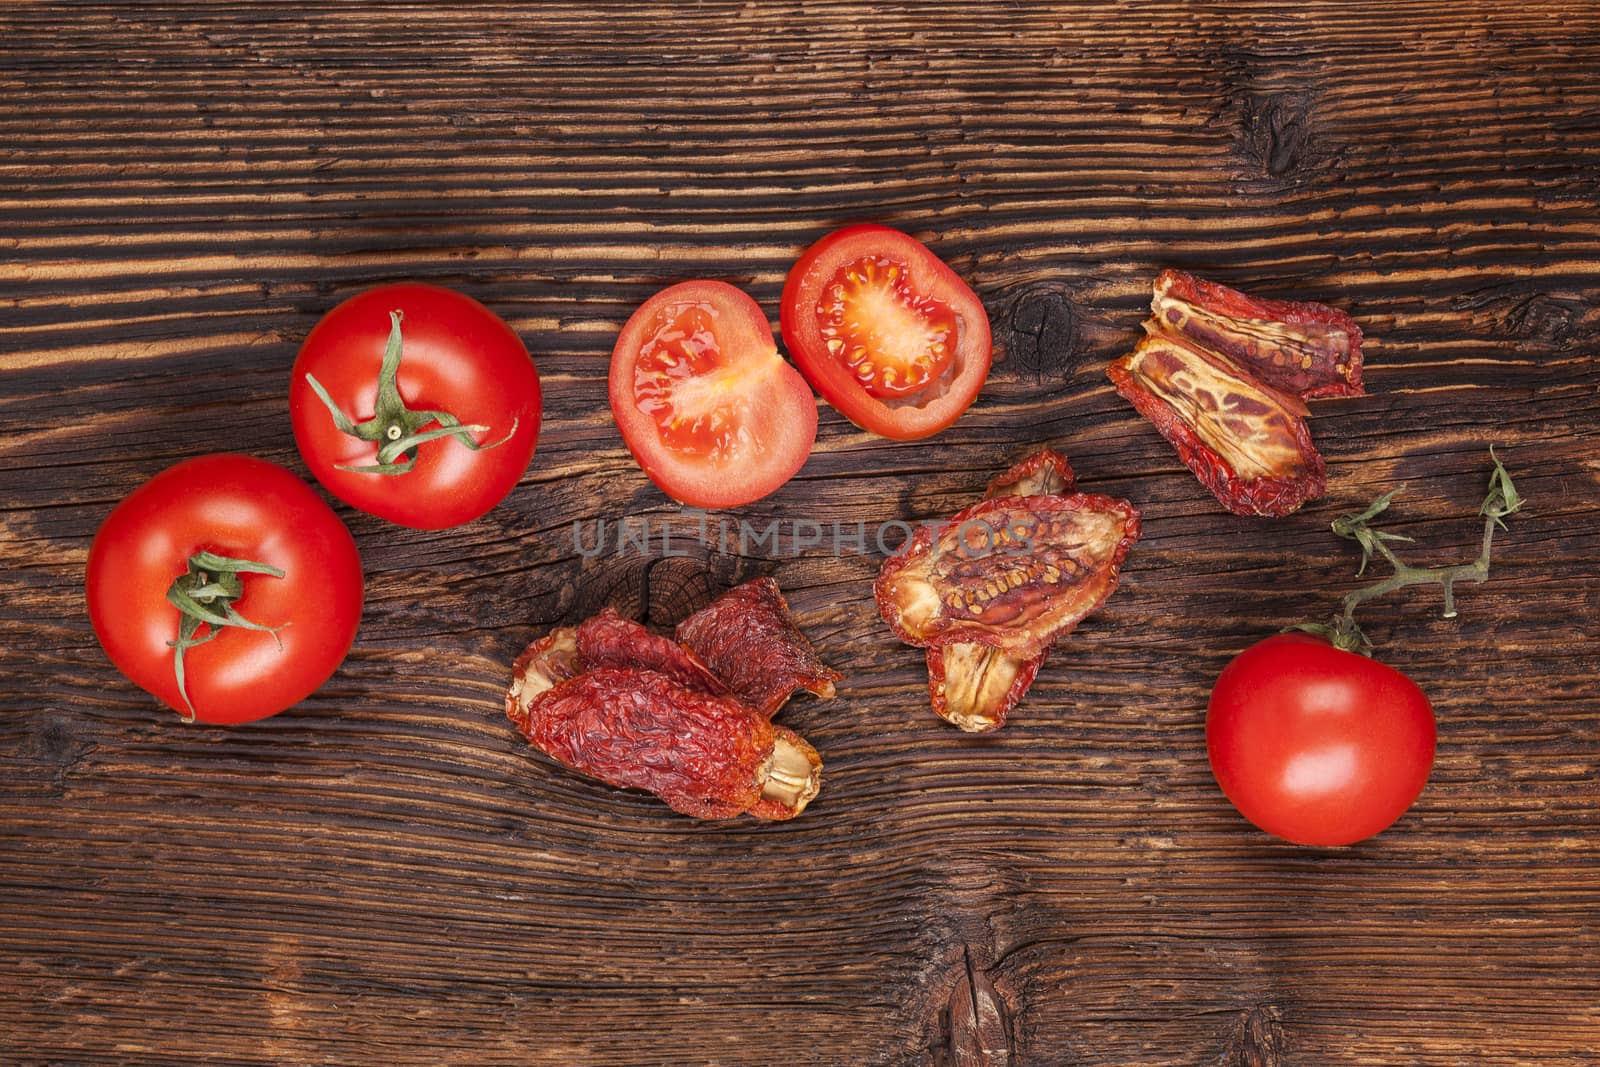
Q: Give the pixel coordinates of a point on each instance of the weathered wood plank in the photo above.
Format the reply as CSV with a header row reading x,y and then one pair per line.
x,y
389,875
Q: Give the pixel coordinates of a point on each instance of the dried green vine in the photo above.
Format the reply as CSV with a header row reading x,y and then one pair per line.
x,y
1501,501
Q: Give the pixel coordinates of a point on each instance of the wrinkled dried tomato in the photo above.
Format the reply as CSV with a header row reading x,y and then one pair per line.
x,y
707,756
613,700
1245,442
609,640
1309,350
749,640
975,687
1223,377
1046,472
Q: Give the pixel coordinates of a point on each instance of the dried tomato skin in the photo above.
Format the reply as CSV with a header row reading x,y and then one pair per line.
x,y
1319,346
980,668
940,589
609,640
1274,496
1224,376
1044,473
638,729
991,704
544,664
749,640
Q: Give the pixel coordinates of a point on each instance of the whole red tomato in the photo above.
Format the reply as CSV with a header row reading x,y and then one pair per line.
x,y
708,408
416,404
248,543
885,331
1317,745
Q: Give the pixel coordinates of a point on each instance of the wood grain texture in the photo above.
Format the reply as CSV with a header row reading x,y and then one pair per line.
x,y
389,875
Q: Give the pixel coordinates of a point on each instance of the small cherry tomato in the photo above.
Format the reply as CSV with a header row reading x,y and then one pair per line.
x,y
416,404
708,408
885,331
225,587
1317,745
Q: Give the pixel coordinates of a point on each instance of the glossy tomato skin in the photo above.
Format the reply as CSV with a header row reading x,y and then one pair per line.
x,y
243,508
772,406
930,278
457,356
1316,745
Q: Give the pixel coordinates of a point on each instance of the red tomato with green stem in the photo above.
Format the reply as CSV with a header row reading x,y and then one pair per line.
x,y
707,406
416,404
225,587
1315,744
1314,741
885,331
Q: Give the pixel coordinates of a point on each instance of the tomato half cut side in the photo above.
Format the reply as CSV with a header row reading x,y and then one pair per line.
x,y
709,409
887,333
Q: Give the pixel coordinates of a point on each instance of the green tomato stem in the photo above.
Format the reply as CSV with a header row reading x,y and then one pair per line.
x,y
395,428
204,596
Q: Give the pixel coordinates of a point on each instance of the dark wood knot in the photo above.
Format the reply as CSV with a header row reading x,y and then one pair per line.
x,y
1555,322
1516,311
1276,133
1039,330
679,586
47,755
974,1025
679,576
55,744
611,581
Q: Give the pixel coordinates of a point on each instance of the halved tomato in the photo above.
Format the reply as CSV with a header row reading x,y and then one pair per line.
x,y
707,406
886,331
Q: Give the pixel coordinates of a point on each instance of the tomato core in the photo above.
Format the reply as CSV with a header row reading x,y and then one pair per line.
x,y
895,340
693,389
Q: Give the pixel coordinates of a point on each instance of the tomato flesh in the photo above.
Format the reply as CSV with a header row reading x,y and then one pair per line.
x,y
708,408
1316,745
894,339
691,388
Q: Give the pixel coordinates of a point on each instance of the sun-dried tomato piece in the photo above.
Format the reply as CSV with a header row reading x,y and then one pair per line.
x,y
545,663
1224,375
1310,350
975,686
1034,559
636,709
1246,442
1012,573
1044,473
749,640
609,640
707,756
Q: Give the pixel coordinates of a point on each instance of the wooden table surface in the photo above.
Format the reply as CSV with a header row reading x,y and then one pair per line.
x,y
389,875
